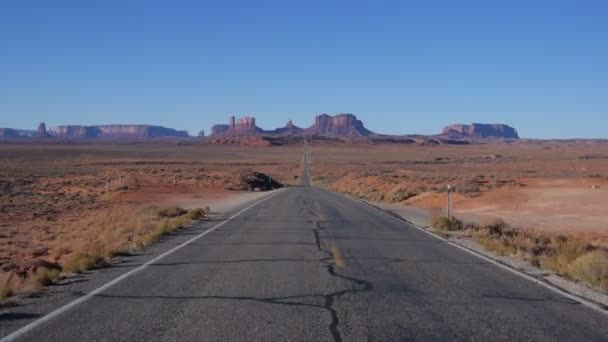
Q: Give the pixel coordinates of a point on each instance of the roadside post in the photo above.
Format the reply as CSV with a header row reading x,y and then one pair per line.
x,y
449,211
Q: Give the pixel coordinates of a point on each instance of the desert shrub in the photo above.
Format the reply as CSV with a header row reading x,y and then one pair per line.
x,y
570,255
118,253
592,268
469,187
171,212
79,263
200,213
165,227
5,290
562,251
399,194
44,277
444,223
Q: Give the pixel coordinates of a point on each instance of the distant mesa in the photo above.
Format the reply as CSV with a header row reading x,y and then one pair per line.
x,y
478,130
242,126
344,127
9,133
341,125
115,132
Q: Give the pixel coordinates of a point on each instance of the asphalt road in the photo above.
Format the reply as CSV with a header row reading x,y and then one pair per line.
x,y
312,265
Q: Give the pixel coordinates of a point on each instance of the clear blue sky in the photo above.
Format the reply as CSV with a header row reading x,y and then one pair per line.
x,y
401,67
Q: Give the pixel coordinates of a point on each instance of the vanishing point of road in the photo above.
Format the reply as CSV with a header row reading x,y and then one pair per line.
x,y
307,264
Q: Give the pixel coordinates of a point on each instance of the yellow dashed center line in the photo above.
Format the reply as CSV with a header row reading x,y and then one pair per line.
x,y
338,258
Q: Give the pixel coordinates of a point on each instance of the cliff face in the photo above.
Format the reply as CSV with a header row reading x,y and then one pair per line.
x,y
477,130
116,132
338,125
341,125
219,129
241,126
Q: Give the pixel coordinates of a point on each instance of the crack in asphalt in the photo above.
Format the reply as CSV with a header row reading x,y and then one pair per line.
x,y
359,285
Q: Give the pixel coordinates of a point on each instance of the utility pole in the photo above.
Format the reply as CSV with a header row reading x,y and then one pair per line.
x,y
449,187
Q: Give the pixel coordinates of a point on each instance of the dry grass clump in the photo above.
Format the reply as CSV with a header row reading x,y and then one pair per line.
x,y
591,268
82,262
5,290
200,213
469,187
172,224
43,277
573,256
399,194
443,223
171,212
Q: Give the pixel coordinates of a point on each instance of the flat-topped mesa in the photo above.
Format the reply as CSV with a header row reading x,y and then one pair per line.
x,y
337,125
241,126
116,132
478,130
9,133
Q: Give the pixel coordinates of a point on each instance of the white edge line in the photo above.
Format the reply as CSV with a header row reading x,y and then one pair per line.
x,y
590,304
29,327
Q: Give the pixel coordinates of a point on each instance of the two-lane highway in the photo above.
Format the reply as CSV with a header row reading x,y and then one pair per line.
x,y
312,265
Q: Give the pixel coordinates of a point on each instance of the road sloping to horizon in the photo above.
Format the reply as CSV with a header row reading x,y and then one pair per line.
x,y
311,265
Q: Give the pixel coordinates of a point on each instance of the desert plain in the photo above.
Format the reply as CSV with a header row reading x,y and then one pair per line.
x,y
59,201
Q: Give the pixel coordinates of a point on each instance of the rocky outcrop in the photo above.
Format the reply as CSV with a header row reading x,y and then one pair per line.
x,y
116,132
9,133
249,180
41,132
341,125
288,129
477,130
241,126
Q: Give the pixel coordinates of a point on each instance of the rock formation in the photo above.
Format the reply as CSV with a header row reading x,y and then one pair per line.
x,y
116,132
9,133
241,126
219,129
41,132
248,180
288,129
477,130
341,125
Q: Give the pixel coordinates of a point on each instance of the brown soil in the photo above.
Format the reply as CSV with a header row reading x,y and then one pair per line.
x,y
549,186
55,201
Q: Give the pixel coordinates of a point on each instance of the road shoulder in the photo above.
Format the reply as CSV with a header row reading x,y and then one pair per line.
x,y
421,218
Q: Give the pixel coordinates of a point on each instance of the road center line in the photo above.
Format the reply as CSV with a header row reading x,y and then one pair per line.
x,y
53,314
